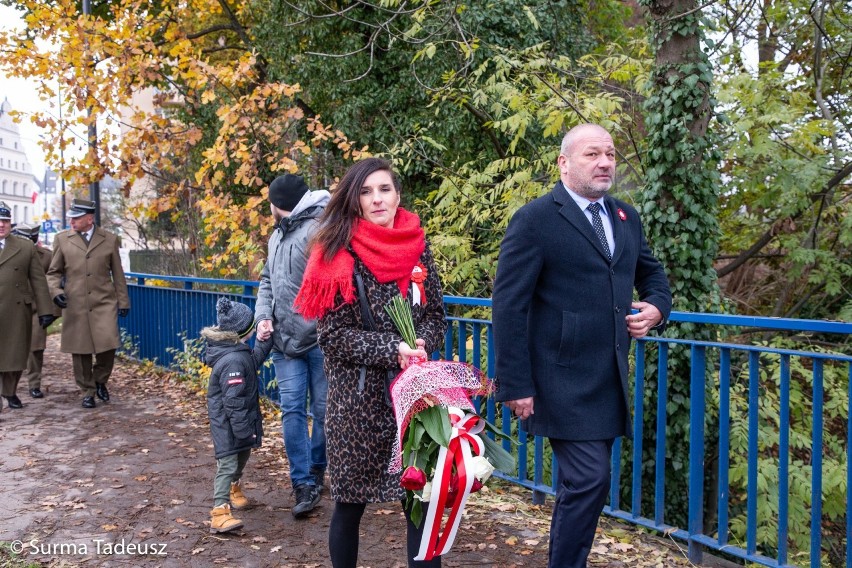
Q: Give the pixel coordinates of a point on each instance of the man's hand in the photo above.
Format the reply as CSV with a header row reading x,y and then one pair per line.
x,y
639,324
522,408
61,301
45,321
264,329
122,312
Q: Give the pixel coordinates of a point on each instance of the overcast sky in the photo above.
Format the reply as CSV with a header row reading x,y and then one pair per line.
x,y
23,97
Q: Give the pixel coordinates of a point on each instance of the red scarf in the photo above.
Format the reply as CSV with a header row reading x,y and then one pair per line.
x,y
390,254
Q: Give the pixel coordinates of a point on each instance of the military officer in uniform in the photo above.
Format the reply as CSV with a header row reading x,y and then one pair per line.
x,y
32,373
94,292
22,282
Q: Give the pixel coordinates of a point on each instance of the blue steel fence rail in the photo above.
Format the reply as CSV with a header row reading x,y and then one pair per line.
x,y
163,318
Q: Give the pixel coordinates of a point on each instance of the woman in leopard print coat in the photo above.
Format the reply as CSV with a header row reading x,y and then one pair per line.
x,y
365,232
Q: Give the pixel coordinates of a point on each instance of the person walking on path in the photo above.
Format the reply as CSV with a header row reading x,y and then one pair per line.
x,y
368,243
296,356
86,280
562,300
32,373
22,283
233,406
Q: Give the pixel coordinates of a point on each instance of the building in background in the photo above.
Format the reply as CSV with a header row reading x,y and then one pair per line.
x,y
19,188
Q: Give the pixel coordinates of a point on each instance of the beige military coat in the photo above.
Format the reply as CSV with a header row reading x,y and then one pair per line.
x,y
95,289
39,341
22,284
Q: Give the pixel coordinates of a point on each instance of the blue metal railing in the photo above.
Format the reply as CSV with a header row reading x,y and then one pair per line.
x,y
164,317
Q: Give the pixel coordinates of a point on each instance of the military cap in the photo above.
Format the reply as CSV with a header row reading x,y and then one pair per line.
x,y
5,212
26,230
80,207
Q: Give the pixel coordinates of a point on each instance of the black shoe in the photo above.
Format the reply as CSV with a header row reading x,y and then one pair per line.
x,y
318,474
88,402
102,392
306,497
14,401
36,393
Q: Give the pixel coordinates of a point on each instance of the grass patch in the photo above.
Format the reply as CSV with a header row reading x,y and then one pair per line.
x,y
9,559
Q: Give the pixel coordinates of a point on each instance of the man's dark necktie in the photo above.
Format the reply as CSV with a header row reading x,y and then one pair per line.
x,y
85,236
595,209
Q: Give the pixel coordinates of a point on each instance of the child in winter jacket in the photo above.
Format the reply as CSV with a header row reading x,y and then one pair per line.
x,y
232,406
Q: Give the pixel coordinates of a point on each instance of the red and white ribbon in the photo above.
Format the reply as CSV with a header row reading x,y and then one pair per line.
x,y
464,442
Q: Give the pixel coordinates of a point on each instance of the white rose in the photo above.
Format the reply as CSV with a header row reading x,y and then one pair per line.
x,y
481,468
425,493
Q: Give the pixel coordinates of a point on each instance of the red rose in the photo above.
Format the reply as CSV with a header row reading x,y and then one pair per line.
x,y
452,492
477,485
413,479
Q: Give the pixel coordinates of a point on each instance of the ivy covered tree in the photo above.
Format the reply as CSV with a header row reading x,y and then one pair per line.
x,y
679,209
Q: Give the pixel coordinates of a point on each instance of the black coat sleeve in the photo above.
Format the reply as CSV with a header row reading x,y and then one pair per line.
x,y
518,268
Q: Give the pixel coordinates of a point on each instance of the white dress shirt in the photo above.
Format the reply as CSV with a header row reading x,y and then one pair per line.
x,y
583,203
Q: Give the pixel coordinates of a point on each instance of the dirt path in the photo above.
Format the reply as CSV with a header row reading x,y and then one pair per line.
x,y
129,484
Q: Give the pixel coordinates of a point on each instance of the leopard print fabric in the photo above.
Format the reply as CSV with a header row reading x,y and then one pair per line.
x,y
360,425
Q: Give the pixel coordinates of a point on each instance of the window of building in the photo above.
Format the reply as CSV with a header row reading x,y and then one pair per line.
x,y
26,214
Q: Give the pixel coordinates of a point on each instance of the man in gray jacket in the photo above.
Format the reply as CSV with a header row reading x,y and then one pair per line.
x,y
296,356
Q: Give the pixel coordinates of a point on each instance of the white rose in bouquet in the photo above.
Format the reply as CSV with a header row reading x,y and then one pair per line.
x,y
481,468
425,493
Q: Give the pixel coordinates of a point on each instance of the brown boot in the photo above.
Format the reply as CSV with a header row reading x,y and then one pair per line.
x,y
238,498
221,519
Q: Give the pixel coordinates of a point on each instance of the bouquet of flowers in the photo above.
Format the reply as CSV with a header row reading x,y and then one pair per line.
x,y
438,439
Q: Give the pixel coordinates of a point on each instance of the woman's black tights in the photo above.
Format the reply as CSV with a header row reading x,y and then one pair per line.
x,y
343,537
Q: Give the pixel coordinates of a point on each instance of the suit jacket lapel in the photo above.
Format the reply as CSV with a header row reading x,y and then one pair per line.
x,y
618,228
572,212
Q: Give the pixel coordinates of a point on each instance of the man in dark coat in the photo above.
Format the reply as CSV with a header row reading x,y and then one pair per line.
x,y
568,267
22,283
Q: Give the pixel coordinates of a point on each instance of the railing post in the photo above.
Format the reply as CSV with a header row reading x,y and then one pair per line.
x,y
696,452
538,470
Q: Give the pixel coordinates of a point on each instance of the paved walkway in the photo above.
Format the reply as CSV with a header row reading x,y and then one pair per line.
x,y
129,484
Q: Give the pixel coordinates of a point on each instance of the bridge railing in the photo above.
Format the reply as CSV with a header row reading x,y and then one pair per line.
x,y
731,382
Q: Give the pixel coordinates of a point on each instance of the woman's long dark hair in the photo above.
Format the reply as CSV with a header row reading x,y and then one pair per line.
x,y
344,207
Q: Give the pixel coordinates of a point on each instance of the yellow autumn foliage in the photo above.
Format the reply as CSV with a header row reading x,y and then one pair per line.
x,y
97,66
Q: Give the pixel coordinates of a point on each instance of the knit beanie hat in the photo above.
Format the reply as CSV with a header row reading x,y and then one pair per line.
x,y
234,316
286,191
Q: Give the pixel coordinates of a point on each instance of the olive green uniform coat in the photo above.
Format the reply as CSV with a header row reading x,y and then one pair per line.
x,y
39,341
22,284
95,290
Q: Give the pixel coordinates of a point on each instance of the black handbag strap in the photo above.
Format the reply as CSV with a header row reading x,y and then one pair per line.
x,y
369,325
366,315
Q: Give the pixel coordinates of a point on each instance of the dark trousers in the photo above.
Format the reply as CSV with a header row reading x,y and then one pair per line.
x,y
343,536
584,476
9,382
87,375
